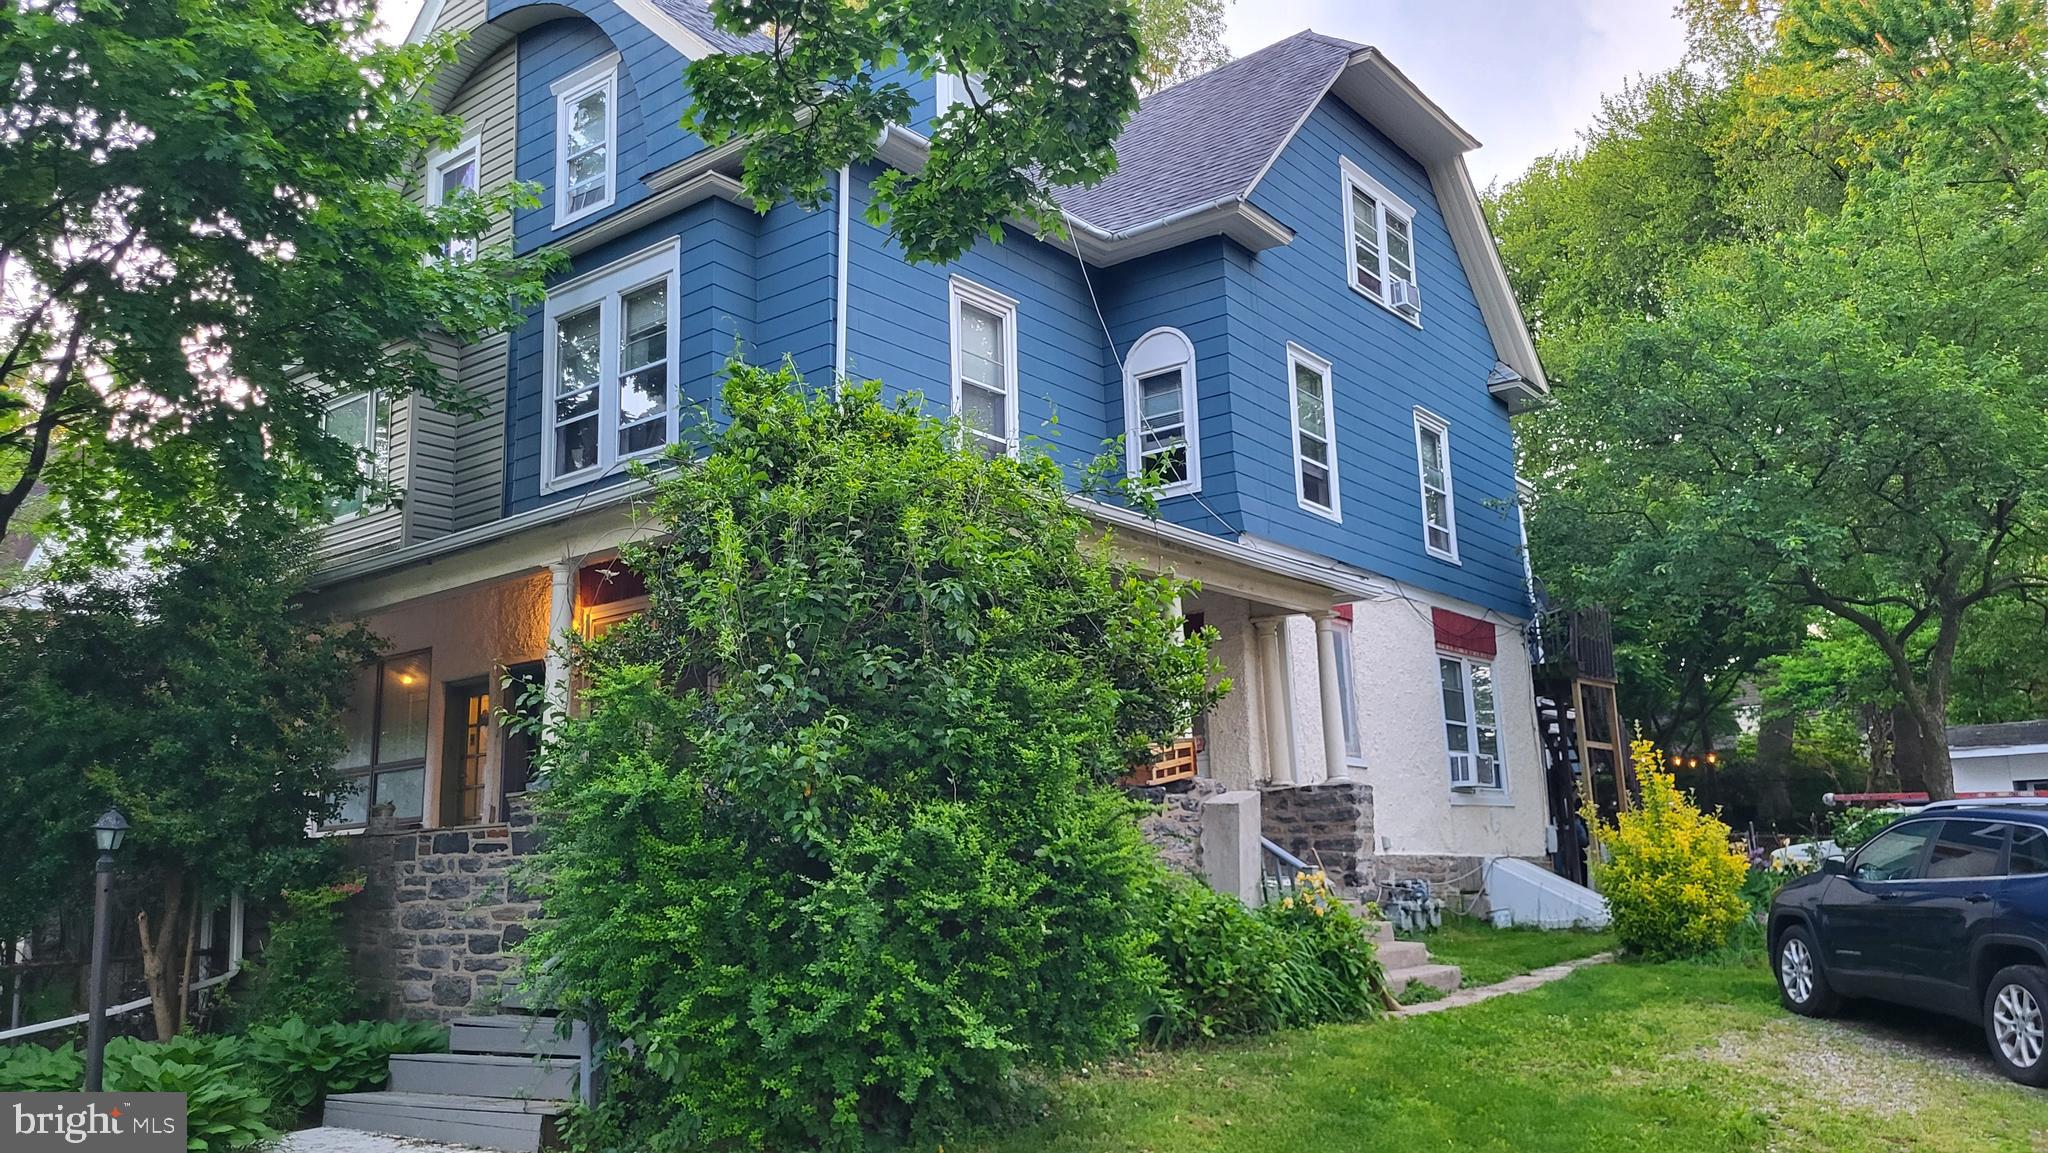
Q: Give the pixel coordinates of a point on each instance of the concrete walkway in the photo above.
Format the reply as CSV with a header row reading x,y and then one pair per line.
x,y
1535,979
326,1140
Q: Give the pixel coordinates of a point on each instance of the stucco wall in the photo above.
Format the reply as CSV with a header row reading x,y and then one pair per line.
x,y
1415,809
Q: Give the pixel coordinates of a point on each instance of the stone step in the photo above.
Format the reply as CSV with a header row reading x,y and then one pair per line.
x,y
1441,977
485,1075
517,1033
1382,932
1401,954
488,1122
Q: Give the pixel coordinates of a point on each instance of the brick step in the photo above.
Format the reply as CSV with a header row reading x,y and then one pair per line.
x,y
517,1033
1441,977
487,1122
486,1075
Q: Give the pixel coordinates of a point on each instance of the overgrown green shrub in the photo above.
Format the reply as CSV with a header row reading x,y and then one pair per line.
x,y
831,843
1231,971
1672,880
304,970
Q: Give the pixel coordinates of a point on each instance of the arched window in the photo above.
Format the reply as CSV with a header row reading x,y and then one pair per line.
x,y
1160,422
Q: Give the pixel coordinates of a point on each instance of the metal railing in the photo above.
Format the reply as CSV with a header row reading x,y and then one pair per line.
x,y
1278,869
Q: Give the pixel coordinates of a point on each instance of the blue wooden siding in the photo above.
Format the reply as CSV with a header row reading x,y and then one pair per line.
x,y
1384,367
652,100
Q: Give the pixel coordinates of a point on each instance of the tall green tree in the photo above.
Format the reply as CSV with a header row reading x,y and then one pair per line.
x,y
192,693
205,230
1053,82
834,844
1181,38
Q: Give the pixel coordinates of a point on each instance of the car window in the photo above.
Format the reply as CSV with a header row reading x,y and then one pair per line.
x,y
2029,851
1894,855
1967,849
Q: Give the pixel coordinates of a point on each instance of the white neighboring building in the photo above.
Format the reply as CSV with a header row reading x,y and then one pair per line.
x,y
2011,757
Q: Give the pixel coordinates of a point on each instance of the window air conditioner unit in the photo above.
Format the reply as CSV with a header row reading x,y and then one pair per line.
x,y
1404,294
1463,776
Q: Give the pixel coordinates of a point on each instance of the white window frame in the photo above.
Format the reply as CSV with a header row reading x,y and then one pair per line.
x,y
1298,358
471,151
606,287
1427,421
1163,349
962,292
1347,695
600,73
1468,782
1386,204
376,456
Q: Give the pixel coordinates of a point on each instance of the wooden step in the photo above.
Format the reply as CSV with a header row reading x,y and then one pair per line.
x,y
487,1075
488,1122
1441,977
517,1033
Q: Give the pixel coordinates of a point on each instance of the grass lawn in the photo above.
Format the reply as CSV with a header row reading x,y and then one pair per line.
x,y
1489,955
1659,1058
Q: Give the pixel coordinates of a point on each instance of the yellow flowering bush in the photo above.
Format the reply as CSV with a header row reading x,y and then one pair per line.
x,y
1672,881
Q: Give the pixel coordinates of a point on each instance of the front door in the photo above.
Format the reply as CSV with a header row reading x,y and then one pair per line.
x,y
466,748
1858,923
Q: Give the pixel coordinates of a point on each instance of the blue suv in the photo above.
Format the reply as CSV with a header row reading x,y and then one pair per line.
x,y
1947,910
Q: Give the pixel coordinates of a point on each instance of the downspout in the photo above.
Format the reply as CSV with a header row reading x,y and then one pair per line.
x,y
839,313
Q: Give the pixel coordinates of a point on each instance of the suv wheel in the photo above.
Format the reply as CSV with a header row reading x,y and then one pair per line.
x,y
2016,1022
1802,987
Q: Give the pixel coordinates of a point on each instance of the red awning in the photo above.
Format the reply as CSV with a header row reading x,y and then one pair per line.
x,y
1458,633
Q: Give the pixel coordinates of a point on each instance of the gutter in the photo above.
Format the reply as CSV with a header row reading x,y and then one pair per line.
x,y
454,542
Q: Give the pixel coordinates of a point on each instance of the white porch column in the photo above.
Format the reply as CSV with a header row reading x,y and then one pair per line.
x,y
1273,688
561,622
1333,695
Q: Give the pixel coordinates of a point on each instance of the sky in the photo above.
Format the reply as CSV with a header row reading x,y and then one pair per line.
x,y
1524,76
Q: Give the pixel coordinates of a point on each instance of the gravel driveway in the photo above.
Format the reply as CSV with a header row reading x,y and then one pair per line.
x,y
1880,1058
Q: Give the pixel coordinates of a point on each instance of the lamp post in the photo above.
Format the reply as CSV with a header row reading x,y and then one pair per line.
x,y
107,833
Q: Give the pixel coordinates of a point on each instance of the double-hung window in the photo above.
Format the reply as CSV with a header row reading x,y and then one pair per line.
x,y
1315,432
385,761
985,366
1471,723
451,176
1347,692
1160,435
1380,227
608,365
586,139
362,421
1433,463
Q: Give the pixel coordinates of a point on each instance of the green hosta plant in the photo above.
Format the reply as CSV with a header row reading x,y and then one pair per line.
x,y
34,1069
224,1113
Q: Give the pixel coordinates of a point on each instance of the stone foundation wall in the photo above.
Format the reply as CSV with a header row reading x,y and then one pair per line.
x,y
1329,823
1448,874
1177,828
432,932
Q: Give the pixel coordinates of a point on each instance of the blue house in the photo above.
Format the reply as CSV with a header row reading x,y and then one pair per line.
x,y
1286,300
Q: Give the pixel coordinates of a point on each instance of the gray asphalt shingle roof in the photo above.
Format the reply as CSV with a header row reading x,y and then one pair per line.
x,y
1994,736
1208,138
696,16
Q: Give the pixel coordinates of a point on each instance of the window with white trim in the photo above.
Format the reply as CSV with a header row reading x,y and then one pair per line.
x,y
985,366
451,176
384,759
1315,431
1433,466
1471,724
1347,698
1381,253
1161,437
586,139
361,420
608,366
